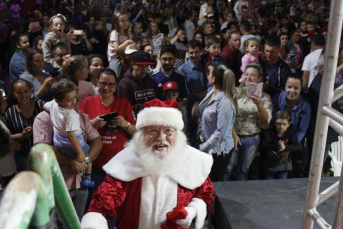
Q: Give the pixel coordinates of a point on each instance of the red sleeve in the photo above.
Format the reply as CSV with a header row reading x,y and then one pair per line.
x,y
206,193
110,194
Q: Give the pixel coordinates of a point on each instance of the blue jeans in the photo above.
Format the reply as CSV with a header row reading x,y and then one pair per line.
x,y
245,156
276,175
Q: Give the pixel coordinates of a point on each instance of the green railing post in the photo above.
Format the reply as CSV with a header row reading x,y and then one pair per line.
x,y
42,160
24,202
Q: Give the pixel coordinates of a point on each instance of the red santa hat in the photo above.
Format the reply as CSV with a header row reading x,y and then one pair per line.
x,y
160,113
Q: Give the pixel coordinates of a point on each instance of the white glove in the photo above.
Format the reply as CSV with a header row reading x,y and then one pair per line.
x,y
186,223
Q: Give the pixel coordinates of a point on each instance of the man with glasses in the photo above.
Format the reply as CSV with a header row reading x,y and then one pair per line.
x,y
168,73
137,86
154,174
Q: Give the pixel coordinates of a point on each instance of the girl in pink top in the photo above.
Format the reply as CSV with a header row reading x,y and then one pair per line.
x,y
119,38
252,53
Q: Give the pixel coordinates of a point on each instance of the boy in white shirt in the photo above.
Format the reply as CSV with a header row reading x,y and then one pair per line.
x,y
68,138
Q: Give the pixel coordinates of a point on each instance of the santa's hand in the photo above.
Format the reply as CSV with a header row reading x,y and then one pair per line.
x,y
186,223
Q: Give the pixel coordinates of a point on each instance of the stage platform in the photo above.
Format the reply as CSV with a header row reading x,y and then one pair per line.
x,y
266,204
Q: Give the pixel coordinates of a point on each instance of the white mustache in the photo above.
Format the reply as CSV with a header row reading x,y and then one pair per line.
x,y
160,143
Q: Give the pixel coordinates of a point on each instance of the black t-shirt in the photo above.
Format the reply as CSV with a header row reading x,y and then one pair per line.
x,y
79,49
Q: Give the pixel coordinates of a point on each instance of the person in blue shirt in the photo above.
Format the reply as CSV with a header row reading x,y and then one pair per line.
x,y
168,73
211,57
18,60
217,112
291,100
197,84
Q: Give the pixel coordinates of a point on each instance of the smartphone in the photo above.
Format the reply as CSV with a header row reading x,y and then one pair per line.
x,y
109,117
55,73
35,27
77,32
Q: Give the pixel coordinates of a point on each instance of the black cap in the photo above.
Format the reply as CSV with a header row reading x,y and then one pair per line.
x,y
141,57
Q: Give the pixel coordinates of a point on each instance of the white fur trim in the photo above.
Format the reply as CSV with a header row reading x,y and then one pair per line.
x,y
159,196
94,220
159,116
200,208
192,172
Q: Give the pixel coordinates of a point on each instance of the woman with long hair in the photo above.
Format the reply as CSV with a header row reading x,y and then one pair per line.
x,y
255,115
18,60
217,112
7,162
20,117
40,80
180,42
156,38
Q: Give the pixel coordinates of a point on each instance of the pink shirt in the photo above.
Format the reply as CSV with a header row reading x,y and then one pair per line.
x,y
43,133
248,59
112,54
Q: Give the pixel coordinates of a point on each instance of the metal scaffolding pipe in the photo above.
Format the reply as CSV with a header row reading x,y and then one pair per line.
x,y
326,96
318,219
24,203
338,93
327,193
42,160
333,114
336,126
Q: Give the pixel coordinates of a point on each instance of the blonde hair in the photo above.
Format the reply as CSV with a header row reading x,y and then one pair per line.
x,y
246,42
172,23
76,63
225,79
150,31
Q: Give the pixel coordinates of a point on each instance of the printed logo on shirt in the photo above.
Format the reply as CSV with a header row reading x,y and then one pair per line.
x,y
160,85
133,115
144,94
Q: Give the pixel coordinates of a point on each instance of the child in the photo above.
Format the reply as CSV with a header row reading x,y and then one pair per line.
x,y
68,138
119,38
138,30
252,53
279,142
57,24
310,30
77,67
171,91
211,57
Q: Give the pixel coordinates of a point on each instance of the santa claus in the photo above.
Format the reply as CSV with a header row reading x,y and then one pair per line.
x,y
156,172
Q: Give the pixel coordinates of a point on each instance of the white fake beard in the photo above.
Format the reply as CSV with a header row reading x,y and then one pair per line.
x,y
159,162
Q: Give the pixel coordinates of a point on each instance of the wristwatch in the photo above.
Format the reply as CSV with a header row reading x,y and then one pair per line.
x,y
87,160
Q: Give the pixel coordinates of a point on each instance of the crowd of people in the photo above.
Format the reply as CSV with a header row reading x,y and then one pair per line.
x,y
246,76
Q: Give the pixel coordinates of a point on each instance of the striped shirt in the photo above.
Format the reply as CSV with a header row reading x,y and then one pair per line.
x,y
16,123
180,54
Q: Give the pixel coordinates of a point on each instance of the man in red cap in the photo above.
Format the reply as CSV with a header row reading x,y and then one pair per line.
x,y
155,173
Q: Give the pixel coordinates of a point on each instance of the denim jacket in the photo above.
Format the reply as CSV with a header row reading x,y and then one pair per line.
x,y
216,120
300,114
17,65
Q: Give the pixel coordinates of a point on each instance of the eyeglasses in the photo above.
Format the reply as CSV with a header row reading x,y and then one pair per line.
x,y
110,85
154,132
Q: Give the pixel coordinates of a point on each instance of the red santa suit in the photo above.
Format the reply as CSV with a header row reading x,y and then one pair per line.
x,y
140,199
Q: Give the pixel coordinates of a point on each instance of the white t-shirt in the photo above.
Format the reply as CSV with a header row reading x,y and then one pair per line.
x,y
189,30
310,64
64,120
112,54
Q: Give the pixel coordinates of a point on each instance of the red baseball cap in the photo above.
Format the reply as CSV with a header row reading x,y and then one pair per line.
x,y
171,85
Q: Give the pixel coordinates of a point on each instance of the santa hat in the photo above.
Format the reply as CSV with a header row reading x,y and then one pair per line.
x,y
160,113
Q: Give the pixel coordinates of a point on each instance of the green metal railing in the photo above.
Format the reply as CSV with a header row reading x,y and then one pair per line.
x,y
31,196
